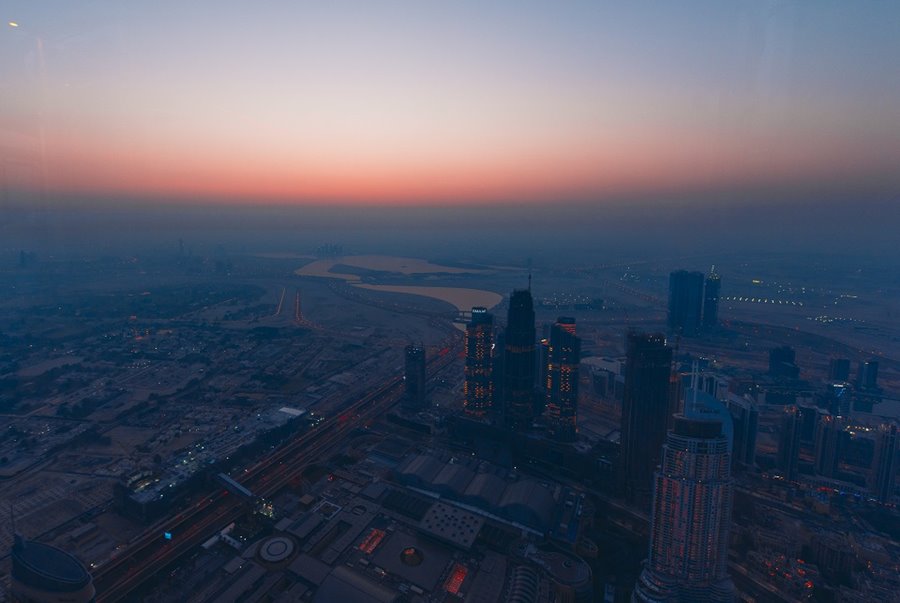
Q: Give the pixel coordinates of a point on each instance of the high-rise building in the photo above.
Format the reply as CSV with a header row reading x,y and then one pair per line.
x,y
691,517
867,377
884,464
414,375
562,380
711,300
685,302
828,443
789,442
745,417
839,369
645,411
519,362
782,362
479,383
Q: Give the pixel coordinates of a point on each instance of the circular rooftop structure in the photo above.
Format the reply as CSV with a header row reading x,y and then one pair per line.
x,y
412,556
39,568
276,549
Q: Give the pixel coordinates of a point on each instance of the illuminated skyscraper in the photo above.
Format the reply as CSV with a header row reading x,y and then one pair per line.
x,y
479,384
691,517
685,302
562,380
711,300
789,442
884,465
645,411
414,375
519,362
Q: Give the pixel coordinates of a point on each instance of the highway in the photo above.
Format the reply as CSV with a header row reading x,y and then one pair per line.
x,y
151,552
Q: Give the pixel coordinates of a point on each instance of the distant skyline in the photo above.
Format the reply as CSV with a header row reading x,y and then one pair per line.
x,y
448,103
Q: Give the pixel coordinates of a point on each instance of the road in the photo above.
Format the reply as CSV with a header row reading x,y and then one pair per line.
x,y
150,552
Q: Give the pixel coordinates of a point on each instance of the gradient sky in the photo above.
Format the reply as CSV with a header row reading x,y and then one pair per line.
x,y
447,102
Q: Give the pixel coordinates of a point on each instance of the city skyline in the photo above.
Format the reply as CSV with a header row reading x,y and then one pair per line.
x,y
448,104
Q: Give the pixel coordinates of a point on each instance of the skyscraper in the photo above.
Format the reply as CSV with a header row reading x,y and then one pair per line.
x,y
867,377
479,384
884,465
645,411
782,362
685,302
745,417
691,516
562,380
789,442
839,369
711,300
519,362
414,375
828,442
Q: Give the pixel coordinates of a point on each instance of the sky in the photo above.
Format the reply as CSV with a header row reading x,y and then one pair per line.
x,y
449,103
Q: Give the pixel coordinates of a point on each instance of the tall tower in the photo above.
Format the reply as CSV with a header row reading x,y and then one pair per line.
x,y
691,517
414,375
789,442
685,302
867,377
519,362
479,384
884,465
562,380
828,442
645,411
711,300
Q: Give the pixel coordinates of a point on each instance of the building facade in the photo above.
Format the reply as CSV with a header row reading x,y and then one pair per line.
x,y
479,378
691,517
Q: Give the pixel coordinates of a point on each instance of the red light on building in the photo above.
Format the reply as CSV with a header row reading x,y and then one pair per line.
x,y
457,577
372,541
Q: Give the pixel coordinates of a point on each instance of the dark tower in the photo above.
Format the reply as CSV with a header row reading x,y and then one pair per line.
x,y
414,376
519,361
685,302
711,300
839,369
782,363
645,411
884,465
827,445
789,442
479,384
867,377
562,380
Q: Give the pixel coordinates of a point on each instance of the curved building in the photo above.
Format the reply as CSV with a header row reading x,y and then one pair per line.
x,y
691,517
45,574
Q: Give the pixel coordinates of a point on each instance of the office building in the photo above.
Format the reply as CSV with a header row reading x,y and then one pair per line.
x,y
867,377
414,376
884,464
745,418
479,382
685,302
711,300
645,412
519,363
789,442
839,369
829,440
562,380
782,363
691,517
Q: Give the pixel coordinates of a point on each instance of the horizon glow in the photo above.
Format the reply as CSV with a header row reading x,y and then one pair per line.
x,y
446,102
